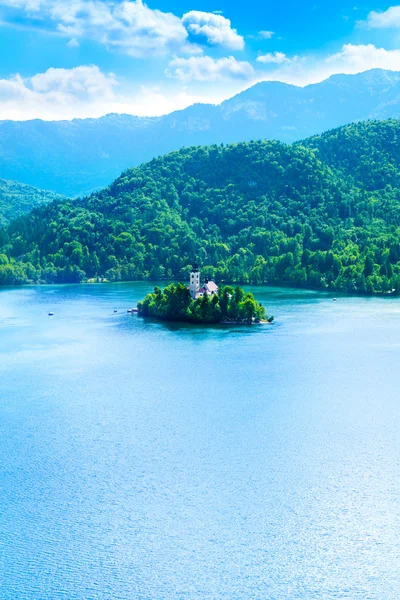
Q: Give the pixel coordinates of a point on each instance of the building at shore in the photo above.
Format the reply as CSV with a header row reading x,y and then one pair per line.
x,y
198,290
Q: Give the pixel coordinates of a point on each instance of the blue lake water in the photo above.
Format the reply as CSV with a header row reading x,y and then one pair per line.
x,y
145,461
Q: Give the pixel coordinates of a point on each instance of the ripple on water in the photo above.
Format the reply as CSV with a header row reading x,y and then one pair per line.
x,y
139,460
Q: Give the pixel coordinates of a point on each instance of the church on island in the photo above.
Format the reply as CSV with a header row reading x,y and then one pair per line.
x,y
196,290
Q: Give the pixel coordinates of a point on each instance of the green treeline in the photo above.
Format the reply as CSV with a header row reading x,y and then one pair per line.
x,y
176,304
324,213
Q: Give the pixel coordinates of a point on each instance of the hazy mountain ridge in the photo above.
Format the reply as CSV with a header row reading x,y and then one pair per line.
x,y
76,157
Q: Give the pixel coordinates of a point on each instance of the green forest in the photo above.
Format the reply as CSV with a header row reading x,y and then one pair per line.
x,y
17,199
176,304
323,214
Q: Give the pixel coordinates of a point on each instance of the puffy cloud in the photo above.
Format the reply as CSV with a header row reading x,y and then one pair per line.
x,y
205,68
273,57
126,25
354,59
381,20
87,82
88,92
129,26
215,28
57,93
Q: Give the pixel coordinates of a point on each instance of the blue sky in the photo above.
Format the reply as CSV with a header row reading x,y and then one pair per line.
x,y
80,58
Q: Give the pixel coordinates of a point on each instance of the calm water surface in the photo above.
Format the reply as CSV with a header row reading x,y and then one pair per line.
x,y
145,461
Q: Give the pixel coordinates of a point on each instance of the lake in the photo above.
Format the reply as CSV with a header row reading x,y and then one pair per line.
x,y
147,461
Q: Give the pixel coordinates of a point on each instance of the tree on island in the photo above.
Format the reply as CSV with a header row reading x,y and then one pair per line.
x,y
229,305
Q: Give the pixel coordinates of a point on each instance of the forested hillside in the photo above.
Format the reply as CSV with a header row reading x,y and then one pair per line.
x,y
322,214
80,156
368,153
17,199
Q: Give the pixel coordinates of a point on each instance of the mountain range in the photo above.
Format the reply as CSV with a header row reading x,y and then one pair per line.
x,y
79,156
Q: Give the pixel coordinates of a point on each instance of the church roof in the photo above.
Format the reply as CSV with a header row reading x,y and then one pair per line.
x,y
211,287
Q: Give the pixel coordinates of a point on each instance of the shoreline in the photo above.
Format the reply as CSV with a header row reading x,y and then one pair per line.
x,y
333,293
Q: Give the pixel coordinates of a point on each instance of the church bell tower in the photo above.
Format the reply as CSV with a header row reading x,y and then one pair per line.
x,y
194,280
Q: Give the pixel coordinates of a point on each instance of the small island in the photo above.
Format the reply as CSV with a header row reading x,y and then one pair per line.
x,y
203,304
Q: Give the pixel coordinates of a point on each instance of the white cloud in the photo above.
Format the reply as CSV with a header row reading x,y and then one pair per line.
x,y
88,92
215,28
274,57
351,59
205,68
266,35
57,93
354,59
85,82
382,20
129,26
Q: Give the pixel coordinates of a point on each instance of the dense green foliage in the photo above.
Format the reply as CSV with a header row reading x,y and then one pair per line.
x,y
17,199
368,153
176,304
322,214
